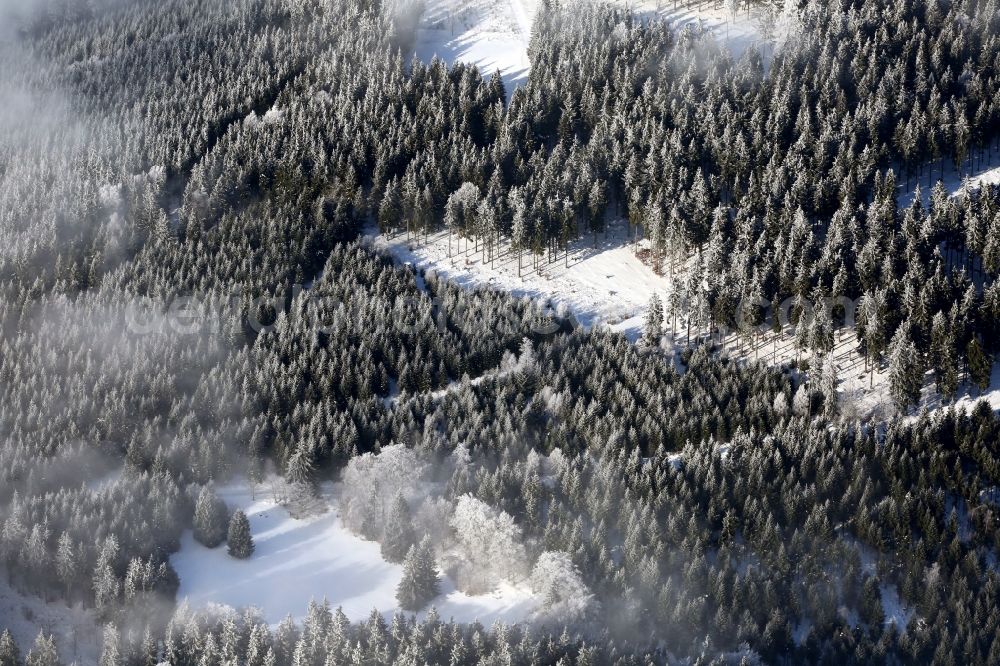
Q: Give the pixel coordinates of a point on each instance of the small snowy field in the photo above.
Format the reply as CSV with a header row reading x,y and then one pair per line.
x,y
609,285
971,175
602,284
862,392
494,35
491,35
736,29
300,559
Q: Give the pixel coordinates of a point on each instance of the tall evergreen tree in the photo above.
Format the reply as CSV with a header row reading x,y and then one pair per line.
x,y
43,652
654,321
239,541
906,375
10,655
980,365
420,578
111,652
398,535
210,518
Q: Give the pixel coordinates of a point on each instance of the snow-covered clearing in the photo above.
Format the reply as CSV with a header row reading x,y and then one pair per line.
x,y
494,35
491,35
992,395
862,393
988,176
972,175
606,284
316,557
76,632
737,30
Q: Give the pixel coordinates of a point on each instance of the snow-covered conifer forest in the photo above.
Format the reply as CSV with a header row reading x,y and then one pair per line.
x,y
454,332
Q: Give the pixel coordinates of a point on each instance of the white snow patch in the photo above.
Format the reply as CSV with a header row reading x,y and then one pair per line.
x,y
862,392
676,461
297,560
491,35
607,284
956,180
970,396
983,178
762,27
494,35
896,612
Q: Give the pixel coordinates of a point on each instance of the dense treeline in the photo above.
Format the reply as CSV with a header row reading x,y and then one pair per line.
x,y
791,530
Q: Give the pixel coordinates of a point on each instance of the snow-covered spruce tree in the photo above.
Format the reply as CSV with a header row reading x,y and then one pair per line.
x,y
980,365
285,638
906,375
111,652
239,541
654,322
105,583
258,646
43,652
300,466
801,401
943,357
398,534
10,655
420,578
66,562
147,651
210,516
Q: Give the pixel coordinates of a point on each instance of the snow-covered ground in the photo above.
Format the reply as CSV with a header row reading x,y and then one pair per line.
x,y
736,30
494,35
297,560
956,180
76,632
606,284
862,393
987,176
